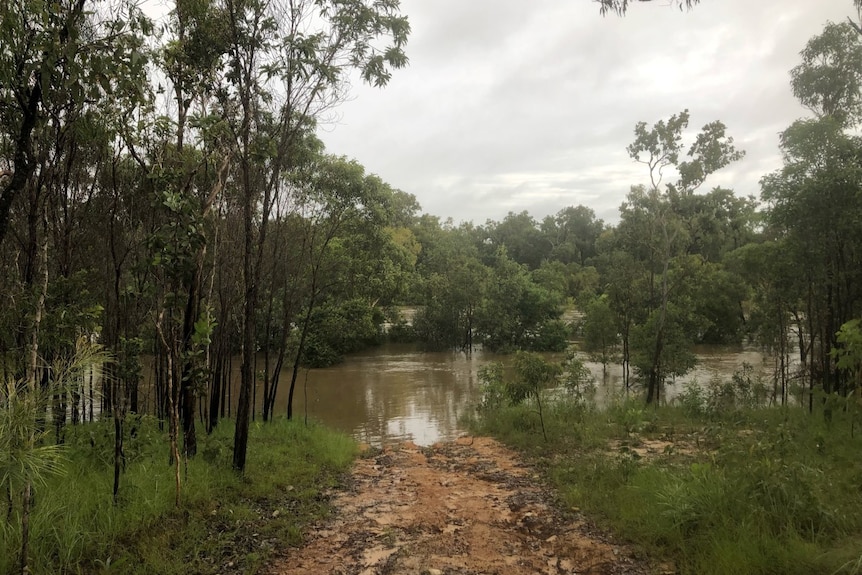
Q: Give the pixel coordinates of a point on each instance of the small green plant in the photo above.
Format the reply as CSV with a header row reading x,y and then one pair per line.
x,y
491,386
743,391
692,400
578,380
532,375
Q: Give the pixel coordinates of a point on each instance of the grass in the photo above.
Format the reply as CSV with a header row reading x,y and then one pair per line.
x,y
750,490
226,523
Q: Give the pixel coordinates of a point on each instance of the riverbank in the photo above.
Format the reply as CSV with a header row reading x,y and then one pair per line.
x,y
468,506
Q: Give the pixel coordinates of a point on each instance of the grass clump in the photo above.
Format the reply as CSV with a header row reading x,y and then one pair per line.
x,y
226,522
714,484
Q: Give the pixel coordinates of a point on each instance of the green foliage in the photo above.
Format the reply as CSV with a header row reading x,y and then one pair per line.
x,y
28,458
829,81
601,335
515,309
523,242
719,397
573,232
620,7
577,380
76,528
399,330
492,387
746,490
675,357
339,328
532,375
24,454
715,295
551,335
849,355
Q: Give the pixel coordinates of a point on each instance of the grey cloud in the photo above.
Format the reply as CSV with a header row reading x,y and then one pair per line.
x,y
511,106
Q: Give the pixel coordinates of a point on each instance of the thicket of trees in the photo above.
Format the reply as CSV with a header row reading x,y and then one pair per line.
x,y
163,195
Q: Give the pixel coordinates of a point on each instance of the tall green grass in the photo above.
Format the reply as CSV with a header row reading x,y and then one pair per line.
x,y
739,489
225,519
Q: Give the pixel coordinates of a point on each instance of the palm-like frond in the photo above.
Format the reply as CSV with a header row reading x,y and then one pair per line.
x,y
24,455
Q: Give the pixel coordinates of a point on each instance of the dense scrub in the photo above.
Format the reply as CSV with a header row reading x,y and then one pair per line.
x,y
226,522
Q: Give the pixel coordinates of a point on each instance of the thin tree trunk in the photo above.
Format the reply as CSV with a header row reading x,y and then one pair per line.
x,y
31,389
25,527
305,324
118,451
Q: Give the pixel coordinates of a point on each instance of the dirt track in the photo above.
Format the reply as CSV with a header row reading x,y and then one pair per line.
x,y
463,508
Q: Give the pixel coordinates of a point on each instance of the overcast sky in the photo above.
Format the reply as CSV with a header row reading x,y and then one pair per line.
x,y
509,105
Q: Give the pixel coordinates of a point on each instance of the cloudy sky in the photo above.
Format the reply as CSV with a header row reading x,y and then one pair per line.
x,y
509,105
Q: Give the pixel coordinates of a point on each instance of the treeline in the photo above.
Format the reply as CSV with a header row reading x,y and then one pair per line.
x,y
682,266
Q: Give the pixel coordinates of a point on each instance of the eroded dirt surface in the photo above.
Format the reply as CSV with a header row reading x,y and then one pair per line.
x,y
467,507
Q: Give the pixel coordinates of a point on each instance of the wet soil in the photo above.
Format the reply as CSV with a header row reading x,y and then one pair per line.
x,y
467,507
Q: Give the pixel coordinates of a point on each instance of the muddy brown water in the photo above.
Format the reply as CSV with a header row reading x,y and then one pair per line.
x,y
397,392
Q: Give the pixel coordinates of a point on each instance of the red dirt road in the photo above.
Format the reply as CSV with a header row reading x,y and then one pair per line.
x,y
468,507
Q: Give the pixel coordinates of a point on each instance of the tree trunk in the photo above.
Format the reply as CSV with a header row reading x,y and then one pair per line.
x,y
25,528
305,324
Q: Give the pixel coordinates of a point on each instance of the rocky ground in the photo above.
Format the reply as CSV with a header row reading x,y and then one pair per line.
x,y
467,507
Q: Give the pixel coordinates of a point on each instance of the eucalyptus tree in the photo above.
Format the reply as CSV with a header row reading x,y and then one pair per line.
x,y
717,222
288,62
179,142
62,68
625,282
828,81
662,234
55,61
813,201
814,205
516,313
520,235
336,222
451,287
573,232
778,298
600,332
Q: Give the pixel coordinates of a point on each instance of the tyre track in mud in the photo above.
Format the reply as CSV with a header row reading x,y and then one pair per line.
x,y
467,507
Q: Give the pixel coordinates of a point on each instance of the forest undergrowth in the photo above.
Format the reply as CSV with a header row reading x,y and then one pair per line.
x,y
226,522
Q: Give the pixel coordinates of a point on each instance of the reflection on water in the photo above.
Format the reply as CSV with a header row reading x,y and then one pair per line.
x,y
393,393
396,392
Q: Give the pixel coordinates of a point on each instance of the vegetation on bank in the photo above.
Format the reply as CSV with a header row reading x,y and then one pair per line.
x,y
226,522
719,482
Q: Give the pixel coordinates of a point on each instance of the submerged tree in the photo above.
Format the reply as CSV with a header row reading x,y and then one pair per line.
x,y
658,228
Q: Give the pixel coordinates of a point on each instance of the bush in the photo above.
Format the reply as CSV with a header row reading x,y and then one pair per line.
x,y
552,335
492,389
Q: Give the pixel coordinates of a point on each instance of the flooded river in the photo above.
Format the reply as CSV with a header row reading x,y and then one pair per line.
x,y
396,392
